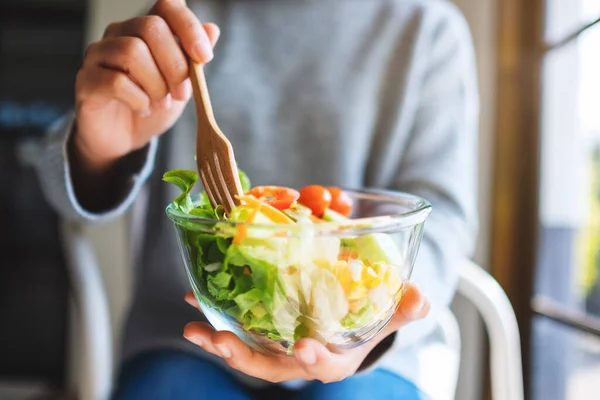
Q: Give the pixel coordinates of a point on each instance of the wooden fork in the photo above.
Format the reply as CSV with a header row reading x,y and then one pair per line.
x,y
214,153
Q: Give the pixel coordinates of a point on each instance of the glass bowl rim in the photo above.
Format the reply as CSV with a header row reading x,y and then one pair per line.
x,y
364,225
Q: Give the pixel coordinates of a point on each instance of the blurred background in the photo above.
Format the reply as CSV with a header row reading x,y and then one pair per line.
x,y
539,191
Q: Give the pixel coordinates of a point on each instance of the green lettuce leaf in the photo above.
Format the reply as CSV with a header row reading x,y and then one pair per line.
x,y
241,281
202,212
263,273
218,285
223,244
185,181
220,213
243,284
221,279
261,325
214,254
362,317
248,300
244,180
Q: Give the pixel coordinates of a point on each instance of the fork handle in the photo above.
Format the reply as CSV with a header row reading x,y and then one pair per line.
x,y
200,88
201,98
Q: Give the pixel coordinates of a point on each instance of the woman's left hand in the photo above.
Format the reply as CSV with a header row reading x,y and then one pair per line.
x,y
311,360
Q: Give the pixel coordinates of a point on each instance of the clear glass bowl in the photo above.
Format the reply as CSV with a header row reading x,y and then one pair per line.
x,y
337,282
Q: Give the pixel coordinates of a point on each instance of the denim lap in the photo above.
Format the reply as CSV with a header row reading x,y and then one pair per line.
x,y
378,384
176,376
173,375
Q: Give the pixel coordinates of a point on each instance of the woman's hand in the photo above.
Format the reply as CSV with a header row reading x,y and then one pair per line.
x,y
134,84
312,360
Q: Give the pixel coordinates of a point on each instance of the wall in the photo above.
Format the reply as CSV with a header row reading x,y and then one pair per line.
x,y
111,240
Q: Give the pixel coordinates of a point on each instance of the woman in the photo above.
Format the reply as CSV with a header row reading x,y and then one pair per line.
x,y
352,93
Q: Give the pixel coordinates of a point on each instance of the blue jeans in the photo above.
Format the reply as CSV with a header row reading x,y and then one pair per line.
x,y
171,375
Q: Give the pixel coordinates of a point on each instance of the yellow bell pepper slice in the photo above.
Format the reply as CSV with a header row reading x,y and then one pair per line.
x,y
269,211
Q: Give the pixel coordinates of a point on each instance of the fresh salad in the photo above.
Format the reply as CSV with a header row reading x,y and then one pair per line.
x,y
265,267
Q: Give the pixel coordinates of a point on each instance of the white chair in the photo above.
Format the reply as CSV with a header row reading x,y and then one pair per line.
x,y
490,300
440,362
93,372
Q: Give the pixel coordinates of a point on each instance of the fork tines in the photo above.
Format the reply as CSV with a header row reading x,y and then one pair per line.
x,y
219,176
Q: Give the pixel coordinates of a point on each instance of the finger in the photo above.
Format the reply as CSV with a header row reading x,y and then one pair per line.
x,y
192,301
186,26
131,56
319,363
413,306
270,368
163,45
200,334
213,32
184,90
101,83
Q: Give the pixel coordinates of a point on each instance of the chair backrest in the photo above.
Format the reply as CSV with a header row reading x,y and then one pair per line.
x,y
486,295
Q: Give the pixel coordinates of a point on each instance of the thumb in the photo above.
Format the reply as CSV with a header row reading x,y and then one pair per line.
x,y
413,306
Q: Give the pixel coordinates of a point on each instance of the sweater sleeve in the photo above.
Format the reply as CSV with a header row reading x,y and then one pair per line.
x,y
439,164
53,168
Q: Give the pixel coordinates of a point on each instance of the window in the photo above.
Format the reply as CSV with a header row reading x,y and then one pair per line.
x,y
564,361
546,240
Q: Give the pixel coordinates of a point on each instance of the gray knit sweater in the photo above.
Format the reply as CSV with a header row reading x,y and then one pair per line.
x,y
378,93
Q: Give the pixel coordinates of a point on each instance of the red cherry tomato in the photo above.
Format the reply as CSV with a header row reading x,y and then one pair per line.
x,y
315,197
340,201
279,197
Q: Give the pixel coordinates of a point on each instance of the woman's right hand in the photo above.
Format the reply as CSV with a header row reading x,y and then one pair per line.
x,y
134,84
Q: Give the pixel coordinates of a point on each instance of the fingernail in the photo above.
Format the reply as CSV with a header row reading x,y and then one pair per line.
x,y
145,113
183,90
419,308
193,338
223,350
217,33
203,50
307,356
166,103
